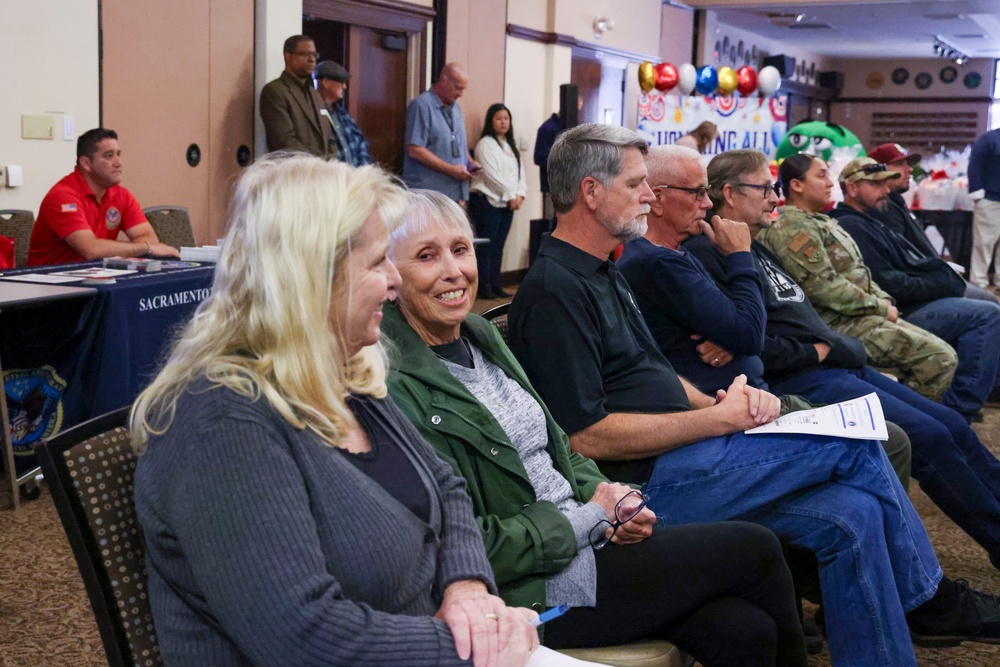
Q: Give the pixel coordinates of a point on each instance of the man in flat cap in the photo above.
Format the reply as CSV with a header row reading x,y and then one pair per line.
x,y
927,291
331,82
290,107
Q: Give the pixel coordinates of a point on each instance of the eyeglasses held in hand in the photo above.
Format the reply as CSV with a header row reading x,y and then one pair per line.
x,y
697,192
766,189
867,170
625,510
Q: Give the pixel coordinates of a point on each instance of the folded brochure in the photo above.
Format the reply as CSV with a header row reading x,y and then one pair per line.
x,y
860,418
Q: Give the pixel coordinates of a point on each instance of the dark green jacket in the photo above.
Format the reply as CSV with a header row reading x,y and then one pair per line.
x,y
526,539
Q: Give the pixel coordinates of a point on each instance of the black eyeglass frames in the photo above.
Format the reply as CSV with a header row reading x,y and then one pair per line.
x,y
625,510
697,192
766,189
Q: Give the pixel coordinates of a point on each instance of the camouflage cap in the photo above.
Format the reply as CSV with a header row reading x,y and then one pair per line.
x,y
865,168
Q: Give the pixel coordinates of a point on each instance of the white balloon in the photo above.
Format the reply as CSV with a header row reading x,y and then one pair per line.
x,y
687,77
768,80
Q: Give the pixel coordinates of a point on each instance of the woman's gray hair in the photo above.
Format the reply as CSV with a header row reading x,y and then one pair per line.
x,y
428,207
593,150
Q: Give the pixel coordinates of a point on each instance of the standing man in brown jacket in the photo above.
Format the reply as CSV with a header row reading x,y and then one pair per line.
x,y
292,109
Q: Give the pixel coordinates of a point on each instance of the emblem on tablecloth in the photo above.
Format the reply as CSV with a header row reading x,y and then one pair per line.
x,y
34,406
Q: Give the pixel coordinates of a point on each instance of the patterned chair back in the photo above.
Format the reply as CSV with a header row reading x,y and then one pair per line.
x,y
498,318
172,225
16,224
89,469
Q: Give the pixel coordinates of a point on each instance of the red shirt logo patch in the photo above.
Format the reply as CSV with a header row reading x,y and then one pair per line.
x,y
68,208
113,218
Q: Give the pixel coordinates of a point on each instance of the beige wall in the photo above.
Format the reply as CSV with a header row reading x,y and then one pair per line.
x,y
637,23
676,34
477,38
59,39
534,73
857,72
535,14
860,86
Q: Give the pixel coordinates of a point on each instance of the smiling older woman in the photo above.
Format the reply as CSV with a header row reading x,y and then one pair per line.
x,y
720,591
292,515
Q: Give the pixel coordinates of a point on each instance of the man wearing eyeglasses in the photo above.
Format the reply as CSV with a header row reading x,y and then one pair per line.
x,y
927,291
291,108
578,334
437,150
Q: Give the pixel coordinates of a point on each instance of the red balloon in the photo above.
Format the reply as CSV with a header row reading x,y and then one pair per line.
x,y
666,76
746,78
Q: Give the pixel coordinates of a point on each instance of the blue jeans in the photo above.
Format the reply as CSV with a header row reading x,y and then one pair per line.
x,y
494,224
972,327
837,498
953,467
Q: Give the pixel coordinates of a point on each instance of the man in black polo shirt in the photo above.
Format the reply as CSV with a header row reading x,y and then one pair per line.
x,y
576,330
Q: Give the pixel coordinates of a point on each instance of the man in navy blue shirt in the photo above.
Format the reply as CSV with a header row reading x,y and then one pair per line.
x,y
984,185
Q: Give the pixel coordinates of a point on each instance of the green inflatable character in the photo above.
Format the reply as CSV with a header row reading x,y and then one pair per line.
x,y
820,138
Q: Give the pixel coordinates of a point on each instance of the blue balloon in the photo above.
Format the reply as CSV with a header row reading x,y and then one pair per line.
x,y
707,81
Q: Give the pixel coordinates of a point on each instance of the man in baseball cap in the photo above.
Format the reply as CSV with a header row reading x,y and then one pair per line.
x,y
897,215
926,290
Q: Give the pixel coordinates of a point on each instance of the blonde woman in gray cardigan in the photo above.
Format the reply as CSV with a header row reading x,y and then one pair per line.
x,y
291,514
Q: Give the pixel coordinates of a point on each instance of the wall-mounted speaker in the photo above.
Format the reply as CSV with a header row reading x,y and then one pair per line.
x,y
784,64
568,111
833,80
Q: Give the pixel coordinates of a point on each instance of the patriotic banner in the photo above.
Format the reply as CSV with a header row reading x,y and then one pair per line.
x,y
743,122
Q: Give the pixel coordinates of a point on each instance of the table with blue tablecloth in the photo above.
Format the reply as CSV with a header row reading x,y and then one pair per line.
x,y
67,361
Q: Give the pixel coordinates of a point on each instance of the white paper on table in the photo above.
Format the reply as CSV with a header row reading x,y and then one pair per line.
x,y
96,272
546,657
859,418
51,278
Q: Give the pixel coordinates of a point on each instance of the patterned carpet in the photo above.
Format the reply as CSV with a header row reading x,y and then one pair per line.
x,y
45,618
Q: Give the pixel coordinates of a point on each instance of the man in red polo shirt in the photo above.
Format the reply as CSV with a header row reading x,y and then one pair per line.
x,y
82,214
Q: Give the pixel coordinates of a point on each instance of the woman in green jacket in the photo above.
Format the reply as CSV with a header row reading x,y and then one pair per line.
x,y
721,592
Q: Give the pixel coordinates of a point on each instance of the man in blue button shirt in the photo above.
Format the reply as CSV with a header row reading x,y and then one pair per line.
x,y
437,151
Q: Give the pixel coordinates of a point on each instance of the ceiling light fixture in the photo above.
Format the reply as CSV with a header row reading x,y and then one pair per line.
x,y
944,49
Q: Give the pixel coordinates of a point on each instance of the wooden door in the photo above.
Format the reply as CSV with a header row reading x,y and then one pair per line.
x,y
177,79
377,96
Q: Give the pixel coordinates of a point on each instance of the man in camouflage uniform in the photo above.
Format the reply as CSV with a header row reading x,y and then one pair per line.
x,y
824,260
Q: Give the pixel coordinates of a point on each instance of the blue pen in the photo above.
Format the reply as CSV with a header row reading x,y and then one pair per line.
x,y
547,616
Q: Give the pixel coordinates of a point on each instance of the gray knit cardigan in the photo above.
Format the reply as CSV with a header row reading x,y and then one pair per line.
x,y
266,547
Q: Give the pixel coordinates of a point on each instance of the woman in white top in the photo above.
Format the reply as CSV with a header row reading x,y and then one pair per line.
x,y
497,191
